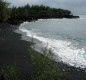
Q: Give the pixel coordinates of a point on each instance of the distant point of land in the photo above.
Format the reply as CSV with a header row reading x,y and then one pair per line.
x,y
17,15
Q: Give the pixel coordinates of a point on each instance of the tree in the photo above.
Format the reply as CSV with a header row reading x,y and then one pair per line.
x,y
4,11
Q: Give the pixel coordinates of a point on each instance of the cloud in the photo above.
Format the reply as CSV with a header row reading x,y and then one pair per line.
x,y
77,6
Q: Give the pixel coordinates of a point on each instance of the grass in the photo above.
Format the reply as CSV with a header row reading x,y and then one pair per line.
x,y
44,68
8,72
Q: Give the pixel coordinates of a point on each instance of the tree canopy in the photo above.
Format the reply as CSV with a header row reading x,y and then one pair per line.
x,y
27,12
4,11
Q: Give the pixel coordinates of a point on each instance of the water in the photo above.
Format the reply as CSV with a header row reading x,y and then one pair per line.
x,y
66,37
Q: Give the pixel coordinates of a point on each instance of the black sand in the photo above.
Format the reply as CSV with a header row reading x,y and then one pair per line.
x,y
14,51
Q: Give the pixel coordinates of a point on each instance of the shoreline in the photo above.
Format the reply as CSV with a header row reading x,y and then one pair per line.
x,y
36,42
14,51
72,68
42,40
18,22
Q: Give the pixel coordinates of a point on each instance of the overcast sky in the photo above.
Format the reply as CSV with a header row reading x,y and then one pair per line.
x,y
76,6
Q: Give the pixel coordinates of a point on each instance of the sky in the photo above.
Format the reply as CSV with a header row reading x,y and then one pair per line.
x,y
75,6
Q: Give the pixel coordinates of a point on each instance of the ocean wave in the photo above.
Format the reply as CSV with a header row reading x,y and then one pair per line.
x,y
67,52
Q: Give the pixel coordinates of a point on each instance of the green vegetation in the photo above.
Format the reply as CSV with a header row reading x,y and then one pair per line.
x,y
28,13
44,68
36,12
8,72
4,11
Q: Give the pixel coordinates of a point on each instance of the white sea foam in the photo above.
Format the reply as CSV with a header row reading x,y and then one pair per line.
x,y
65,50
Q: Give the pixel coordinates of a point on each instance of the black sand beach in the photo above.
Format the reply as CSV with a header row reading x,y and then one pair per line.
x,y
14,51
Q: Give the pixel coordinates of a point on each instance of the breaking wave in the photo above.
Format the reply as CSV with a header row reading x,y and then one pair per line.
x,y
67,52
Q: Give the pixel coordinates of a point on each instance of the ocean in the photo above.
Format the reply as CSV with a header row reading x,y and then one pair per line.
x,y
66,38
